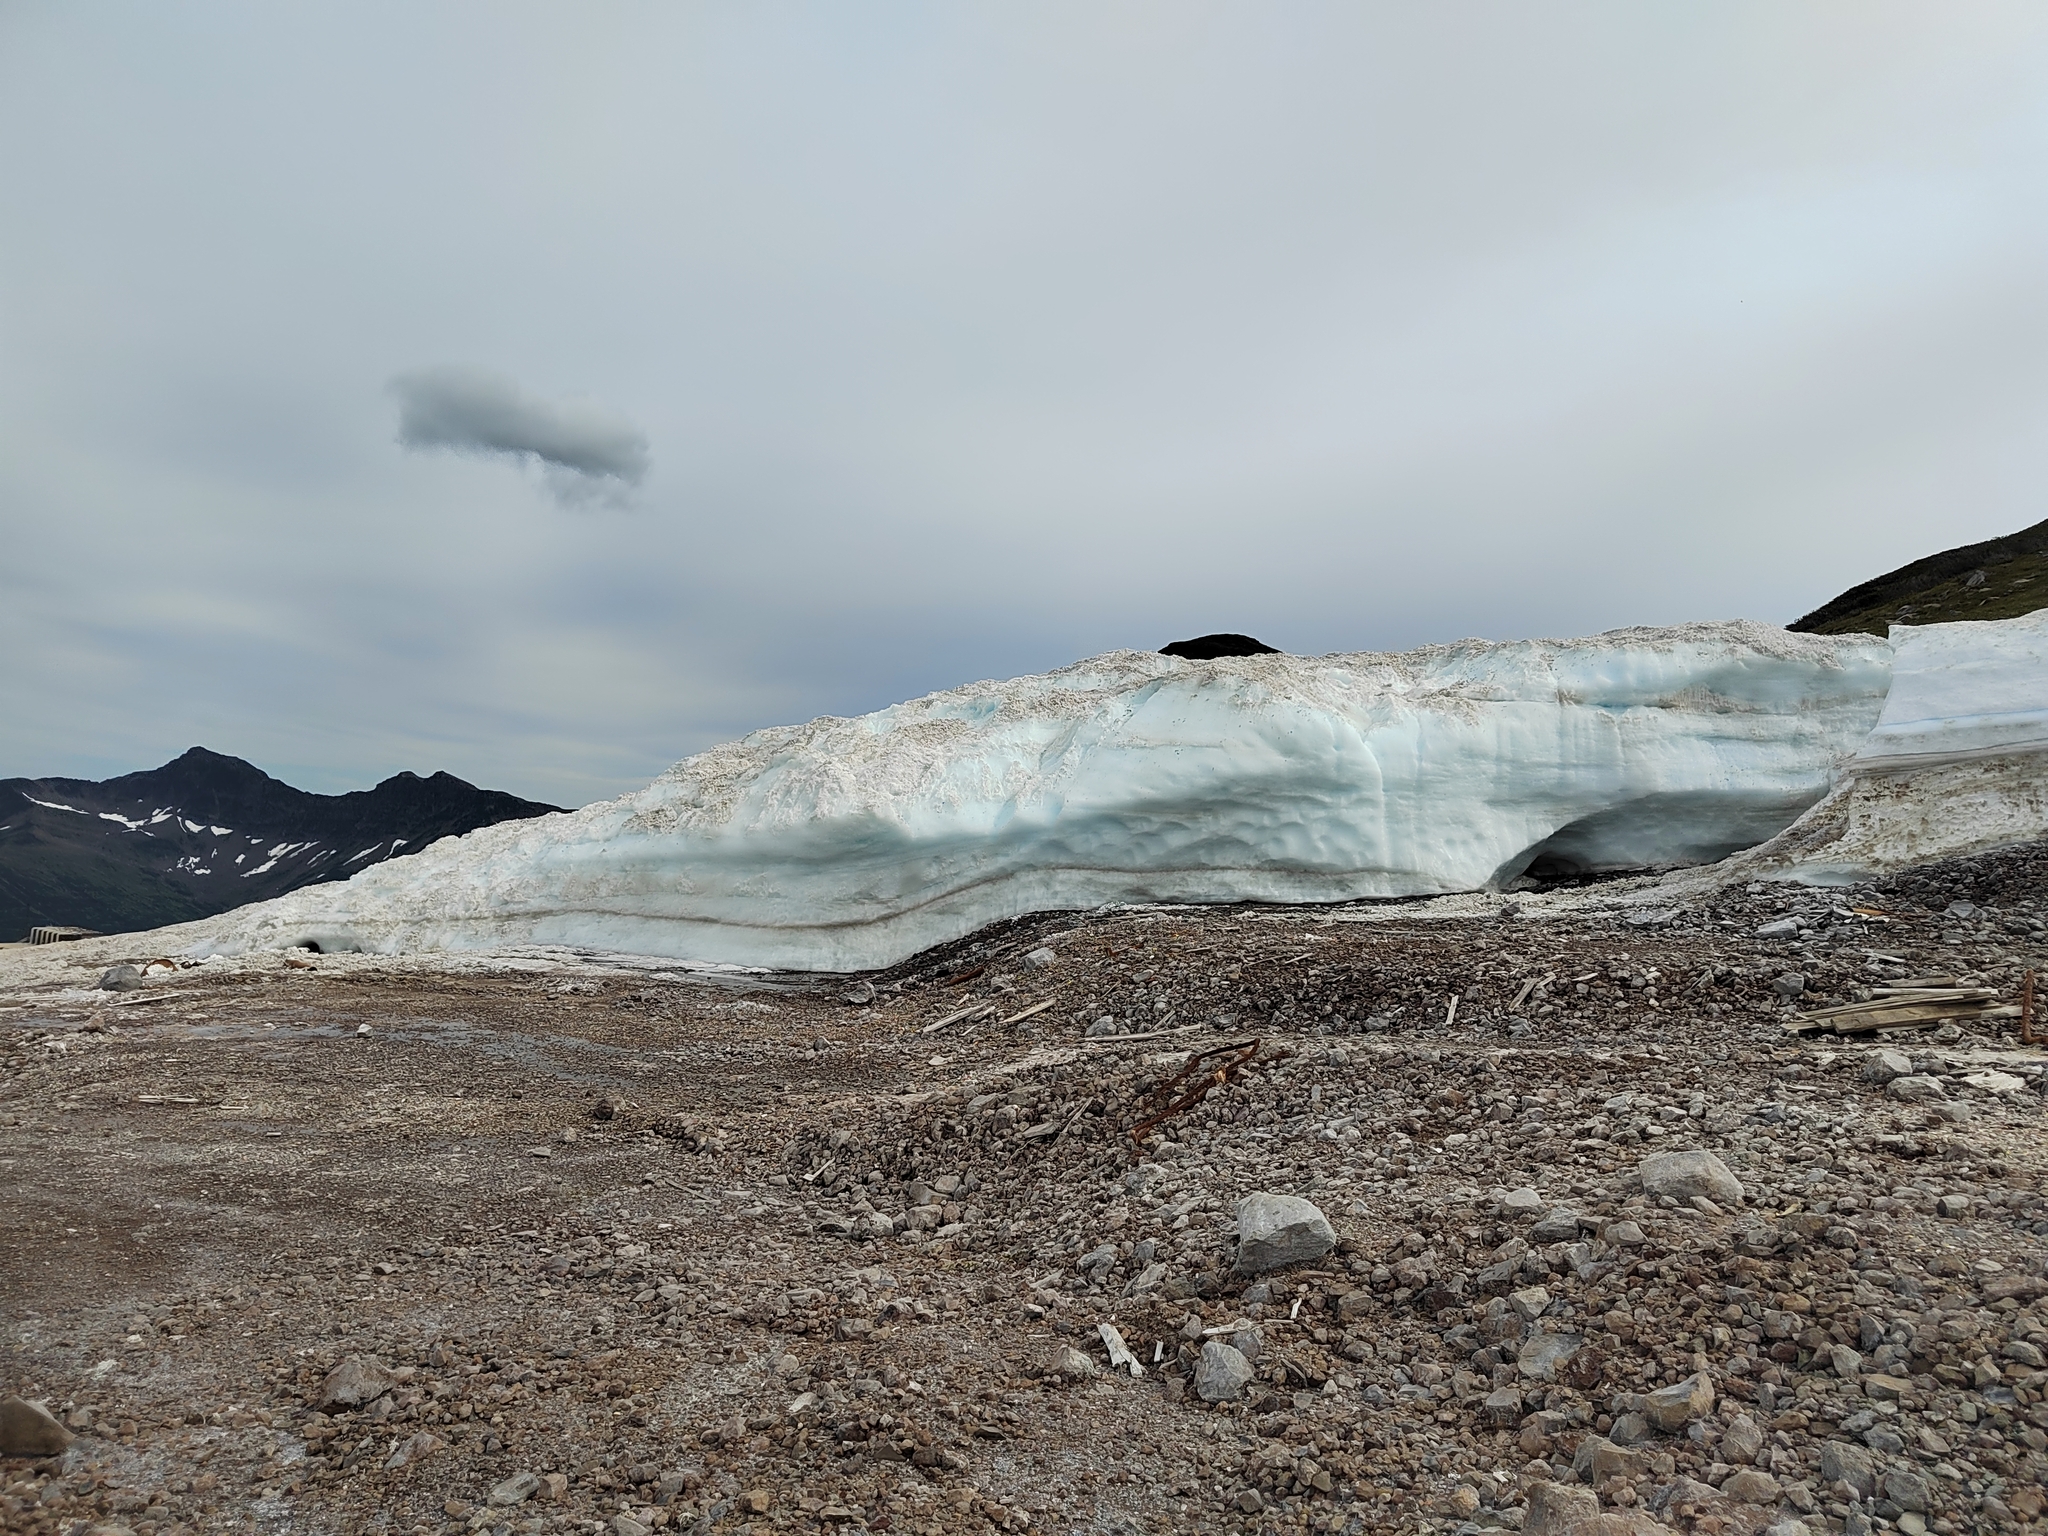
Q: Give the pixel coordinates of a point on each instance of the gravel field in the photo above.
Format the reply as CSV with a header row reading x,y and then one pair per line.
x,y
544,1241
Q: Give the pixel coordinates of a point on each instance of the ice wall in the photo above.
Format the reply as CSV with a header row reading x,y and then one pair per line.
x,y
1955,764
844,844
1963,691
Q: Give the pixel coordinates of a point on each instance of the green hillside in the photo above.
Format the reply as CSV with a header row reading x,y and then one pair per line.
x,y
1997,579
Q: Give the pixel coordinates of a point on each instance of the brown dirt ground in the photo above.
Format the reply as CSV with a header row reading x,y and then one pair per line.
x,y
218,1187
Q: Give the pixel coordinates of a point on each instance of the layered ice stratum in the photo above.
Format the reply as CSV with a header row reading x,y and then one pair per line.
x,y
1134,777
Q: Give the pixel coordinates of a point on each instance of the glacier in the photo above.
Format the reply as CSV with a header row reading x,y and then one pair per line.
x,y
1954,764
849,844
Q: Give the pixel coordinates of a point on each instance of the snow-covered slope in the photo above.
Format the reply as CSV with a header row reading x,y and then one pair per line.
x,y
844,844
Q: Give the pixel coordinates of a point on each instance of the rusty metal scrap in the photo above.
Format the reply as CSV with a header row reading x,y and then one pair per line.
x,y
1235,1057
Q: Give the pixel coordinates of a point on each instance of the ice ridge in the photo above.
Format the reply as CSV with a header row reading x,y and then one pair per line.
x,y
845,844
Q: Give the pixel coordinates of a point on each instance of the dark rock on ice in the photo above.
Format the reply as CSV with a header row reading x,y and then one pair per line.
x,y
1209,647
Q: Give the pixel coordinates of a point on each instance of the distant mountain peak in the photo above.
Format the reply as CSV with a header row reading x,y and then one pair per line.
x,y
207,832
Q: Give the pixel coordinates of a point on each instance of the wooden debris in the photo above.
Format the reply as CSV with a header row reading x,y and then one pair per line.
x,y
1915,1006
971,1011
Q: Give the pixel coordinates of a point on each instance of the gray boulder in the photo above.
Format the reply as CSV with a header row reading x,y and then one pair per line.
x,y
1221,1374
1553,1509
1274,1231
121,978
1681,1175
357,1380
28,1429
1915,1088
1672,1408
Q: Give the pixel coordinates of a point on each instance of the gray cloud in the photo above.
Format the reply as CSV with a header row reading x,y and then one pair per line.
x,y
975,343
578,444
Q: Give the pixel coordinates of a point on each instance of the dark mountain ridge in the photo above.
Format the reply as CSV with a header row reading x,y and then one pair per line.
x,y
206,833
1998,578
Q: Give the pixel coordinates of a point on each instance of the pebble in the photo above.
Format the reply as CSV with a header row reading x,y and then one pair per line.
x,y
1552,1509
1221,1373
358,1380
1672,1408
419,1446
1681,1175
1069,1364
516,1489
1915,1088
1274,1231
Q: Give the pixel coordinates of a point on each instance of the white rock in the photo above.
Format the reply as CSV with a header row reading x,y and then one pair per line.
x,y
1277,1230
1681,1175
1915,1088
1994,1082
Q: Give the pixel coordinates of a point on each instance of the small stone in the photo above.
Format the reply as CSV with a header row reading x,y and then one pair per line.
x,y
1847,1363
1221,1373
1040,959
1069,1364
1105,1025
626,1525
757,1501
358,1380
1529,1304
554,1487
1915,1088
1742,1441
1521,1202
362,1031
1994,1082
1148,1280
1783,928
1503,1406
1681,1175
1631,1429
1544,1355
1672,1408
1841,1462
1906,1488
1880,1067
860,993
1558,1226
1749,1486
29,1429
1274,1231
1552,1509
420,1445
1624,1234
1789,986
516,1489
1600,1461
121,978
1249,1502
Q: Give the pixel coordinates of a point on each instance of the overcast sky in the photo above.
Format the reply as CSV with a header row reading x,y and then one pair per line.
x,y
544,393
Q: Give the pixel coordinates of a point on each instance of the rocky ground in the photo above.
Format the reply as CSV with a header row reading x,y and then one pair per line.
x,y
544,1242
